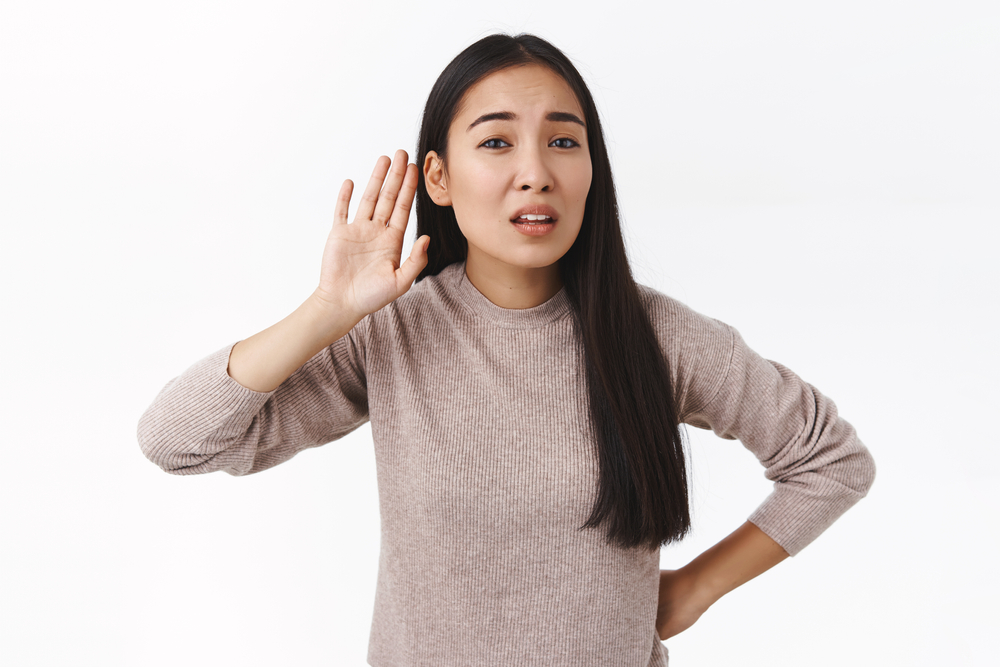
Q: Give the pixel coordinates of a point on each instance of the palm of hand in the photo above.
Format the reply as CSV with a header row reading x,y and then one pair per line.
x,y
361,268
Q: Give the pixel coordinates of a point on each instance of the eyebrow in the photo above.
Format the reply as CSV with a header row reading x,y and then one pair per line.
x,y
555,116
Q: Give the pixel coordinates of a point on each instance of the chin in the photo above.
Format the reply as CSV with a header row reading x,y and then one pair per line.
x,y
534,260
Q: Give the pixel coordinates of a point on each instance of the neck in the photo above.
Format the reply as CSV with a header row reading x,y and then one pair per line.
x,y
513,286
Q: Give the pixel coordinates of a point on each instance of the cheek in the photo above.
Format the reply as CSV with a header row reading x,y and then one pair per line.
x,y
582,183
477,186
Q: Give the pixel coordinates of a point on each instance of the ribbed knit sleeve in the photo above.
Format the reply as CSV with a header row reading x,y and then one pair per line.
x,y
204,420
818,464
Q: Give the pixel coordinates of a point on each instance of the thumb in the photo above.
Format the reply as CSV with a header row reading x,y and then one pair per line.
x,y
414,264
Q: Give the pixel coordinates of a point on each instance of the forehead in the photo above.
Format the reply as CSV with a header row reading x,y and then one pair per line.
x,y
518,88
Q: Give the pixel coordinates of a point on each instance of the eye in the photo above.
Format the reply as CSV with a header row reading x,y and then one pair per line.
x,y
570,143
493,143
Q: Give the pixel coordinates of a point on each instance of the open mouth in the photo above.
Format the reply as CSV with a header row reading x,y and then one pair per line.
x,y
534,224
529,219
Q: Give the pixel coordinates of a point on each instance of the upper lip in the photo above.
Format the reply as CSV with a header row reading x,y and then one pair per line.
x,y
536,209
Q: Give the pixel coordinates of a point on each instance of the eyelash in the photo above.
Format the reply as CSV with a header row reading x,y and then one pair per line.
x,y
572,142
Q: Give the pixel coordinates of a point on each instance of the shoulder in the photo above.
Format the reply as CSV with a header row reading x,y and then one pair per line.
x,y
699,349
679,324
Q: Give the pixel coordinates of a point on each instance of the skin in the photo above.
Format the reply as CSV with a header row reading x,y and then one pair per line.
x,y
498,166
530,161
686,594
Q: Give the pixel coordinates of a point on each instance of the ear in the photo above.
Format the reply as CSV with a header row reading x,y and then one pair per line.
x,y
436,179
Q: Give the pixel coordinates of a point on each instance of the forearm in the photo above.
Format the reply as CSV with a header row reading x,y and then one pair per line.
x,y
738,558
265,360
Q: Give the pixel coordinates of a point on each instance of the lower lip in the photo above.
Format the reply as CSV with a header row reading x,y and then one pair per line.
x,y
534,230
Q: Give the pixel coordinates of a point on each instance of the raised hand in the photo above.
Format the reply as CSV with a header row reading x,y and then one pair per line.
x,y
361,269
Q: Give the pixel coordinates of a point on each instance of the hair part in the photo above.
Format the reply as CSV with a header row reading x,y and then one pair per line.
x,y
642,495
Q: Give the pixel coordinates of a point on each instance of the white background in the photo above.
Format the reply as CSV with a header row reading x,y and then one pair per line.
x,y
823,176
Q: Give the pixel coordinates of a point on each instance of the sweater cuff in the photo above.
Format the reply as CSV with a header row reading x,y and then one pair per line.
x,y
796,513
216,392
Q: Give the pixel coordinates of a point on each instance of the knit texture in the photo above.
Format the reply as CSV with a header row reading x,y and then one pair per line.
x,y
486,466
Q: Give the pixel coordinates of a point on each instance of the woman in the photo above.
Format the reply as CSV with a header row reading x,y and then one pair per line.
x,y
525,395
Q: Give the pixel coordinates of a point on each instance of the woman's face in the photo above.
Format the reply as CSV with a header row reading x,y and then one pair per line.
x,y
517,146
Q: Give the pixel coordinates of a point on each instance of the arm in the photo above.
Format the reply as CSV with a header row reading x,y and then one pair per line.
x,y
686,593
301,382
819,466
360,274
205,420
265,360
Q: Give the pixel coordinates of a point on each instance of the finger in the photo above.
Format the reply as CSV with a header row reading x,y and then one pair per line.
x,y
368,200
414,264
387,198
343,201
401,212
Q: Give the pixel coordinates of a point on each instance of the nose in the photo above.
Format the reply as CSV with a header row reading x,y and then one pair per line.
x,y
533,171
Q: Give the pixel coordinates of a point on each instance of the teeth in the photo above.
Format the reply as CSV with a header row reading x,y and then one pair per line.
x,y
535,217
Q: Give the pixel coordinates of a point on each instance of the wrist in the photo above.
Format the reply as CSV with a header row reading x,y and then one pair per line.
x,y
738,558
332,307
327,319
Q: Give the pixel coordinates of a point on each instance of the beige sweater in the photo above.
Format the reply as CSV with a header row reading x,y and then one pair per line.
x,y
486,467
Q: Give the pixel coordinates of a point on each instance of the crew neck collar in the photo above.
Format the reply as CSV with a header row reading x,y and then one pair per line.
x,y
557,307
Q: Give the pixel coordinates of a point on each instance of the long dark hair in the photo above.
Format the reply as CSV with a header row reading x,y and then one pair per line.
x,y
642,494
